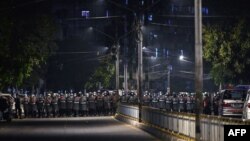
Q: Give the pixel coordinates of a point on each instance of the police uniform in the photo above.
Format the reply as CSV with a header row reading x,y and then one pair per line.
x,y
114,100
189,104
54,105
92,104
83,107
18,106
69,104
181,104
206,105
62,105
48,100
124,99
155,101
26,106
146,100
99,104
175,104
107,104
162,103
40,106
169,103
132,98
76,105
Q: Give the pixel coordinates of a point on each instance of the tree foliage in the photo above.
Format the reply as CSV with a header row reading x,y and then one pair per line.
x,y
25,44
227,48
103,74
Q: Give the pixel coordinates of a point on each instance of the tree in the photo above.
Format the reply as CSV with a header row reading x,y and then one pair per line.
x,y
26,42
104,74
227,48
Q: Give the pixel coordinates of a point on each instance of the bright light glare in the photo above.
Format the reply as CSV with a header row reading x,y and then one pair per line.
x,y
181,57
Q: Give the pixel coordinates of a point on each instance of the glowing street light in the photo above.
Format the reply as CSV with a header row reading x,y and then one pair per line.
x,y
181,58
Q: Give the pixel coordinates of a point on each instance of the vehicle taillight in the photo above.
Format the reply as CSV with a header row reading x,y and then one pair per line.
x,y
226,104
248,105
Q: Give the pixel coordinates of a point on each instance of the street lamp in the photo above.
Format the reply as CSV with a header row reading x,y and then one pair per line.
x,y
169,66
181,58
169,72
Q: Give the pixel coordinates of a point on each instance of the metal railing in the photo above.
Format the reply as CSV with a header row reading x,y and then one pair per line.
x,y
181,123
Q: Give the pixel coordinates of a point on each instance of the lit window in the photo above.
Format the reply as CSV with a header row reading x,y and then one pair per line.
x,y
150,17
85,14
207,11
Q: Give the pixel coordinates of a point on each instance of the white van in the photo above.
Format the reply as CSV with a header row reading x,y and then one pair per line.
x,y
246,107
231,102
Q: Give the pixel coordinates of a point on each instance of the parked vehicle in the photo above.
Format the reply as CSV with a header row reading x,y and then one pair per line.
x,y
246,107
6,107
231,102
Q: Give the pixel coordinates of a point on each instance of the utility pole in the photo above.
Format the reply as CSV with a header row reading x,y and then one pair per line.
x,y
125,59
169,71
117,46
198,67
139,39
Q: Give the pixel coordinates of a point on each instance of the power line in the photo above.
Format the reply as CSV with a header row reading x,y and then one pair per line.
x,y
168,25
93,18
203,16
76,52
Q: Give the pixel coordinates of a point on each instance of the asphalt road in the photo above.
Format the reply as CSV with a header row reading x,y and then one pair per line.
x,y
71,129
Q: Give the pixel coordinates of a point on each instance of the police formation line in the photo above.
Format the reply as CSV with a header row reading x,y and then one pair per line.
x,y
182,102
62,105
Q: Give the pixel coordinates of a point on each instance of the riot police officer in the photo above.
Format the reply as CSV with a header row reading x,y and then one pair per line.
x,y
146,99
216,103
76,104
161,103
92,104
132,98
62,105
181,103
155,101
54,104
48,100
99,103
83,107
69,104
33,107
175,103
206,105
124,98
169,102
114,101
107,103
18,106
189,104
26,105
40,106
